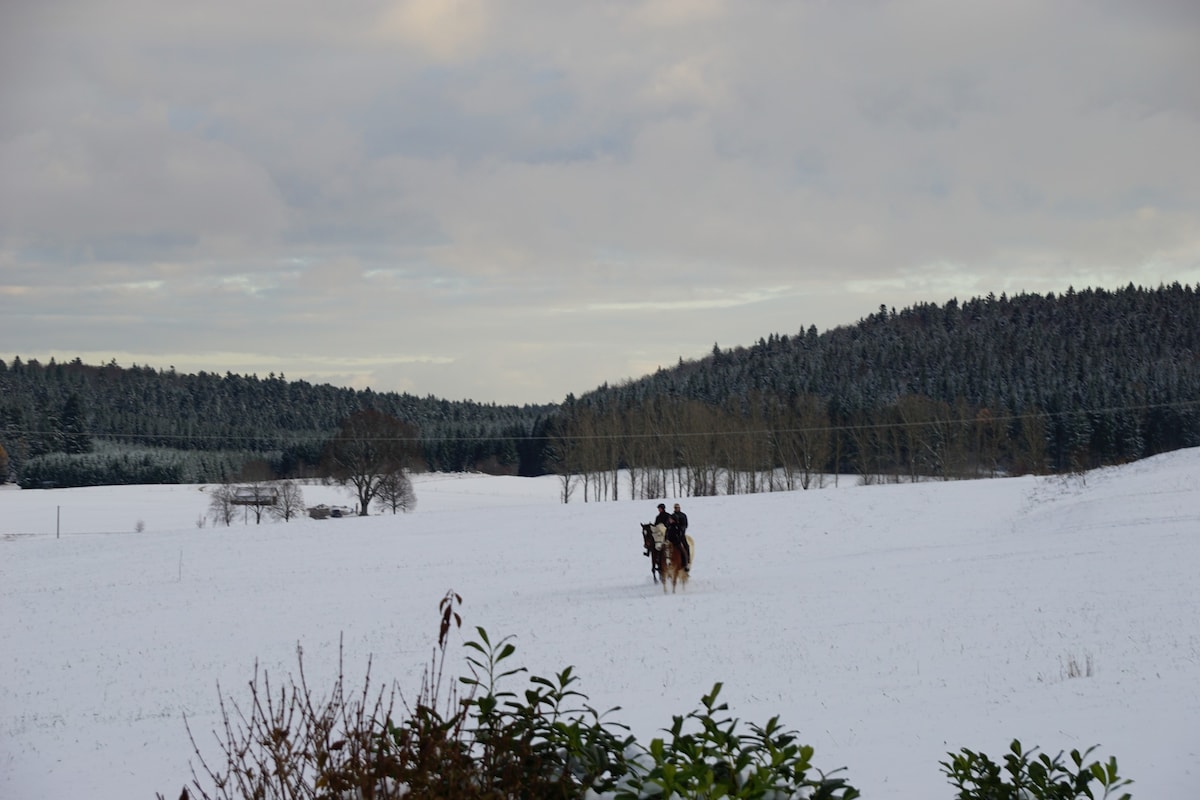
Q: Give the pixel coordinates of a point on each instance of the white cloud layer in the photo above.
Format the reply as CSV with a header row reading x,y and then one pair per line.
x,y
510,201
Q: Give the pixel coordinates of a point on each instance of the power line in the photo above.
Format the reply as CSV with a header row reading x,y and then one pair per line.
x,y
276,440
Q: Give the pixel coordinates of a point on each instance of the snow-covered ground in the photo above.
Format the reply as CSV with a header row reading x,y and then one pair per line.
x,y
888,624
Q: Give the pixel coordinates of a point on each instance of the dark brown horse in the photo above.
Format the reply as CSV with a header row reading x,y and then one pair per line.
x,y
652,546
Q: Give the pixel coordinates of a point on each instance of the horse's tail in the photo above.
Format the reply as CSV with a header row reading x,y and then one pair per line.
x,y
691,550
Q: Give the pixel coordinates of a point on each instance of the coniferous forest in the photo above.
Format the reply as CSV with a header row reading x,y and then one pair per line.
x,y
989,386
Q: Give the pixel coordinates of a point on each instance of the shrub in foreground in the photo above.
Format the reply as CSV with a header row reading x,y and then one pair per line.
x,y
1030,774
493,743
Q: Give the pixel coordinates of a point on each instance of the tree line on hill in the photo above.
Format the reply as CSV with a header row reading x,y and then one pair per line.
x,y
989,386
72,422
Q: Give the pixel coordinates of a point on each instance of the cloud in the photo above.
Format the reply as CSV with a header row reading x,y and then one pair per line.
x,y
503,194
130,177
696,301
657,14
446,30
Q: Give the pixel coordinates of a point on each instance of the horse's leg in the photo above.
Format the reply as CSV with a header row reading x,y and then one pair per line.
x,y
691,560
677,563
673,566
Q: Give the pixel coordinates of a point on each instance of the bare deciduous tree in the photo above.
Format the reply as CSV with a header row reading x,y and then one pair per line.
x,y
562,450
258,495
368,447
395,493
289,501
220,504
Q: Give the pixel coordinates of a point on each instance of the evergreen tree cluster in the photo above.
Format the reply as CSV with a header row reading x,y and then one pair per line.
x,y
1008,384
1054,382
64,408
111,464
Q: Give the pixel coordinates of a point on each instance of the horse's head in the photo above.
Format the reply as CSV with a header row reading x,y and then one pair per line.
x,y
650,536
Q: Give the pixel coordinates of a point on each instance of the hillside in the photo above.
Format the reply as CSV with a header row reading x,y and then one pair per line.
x,y
887,624
65,407
989,386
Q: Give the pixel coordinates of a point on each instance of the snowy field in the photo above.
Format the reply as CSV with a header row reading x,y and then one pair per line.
x,y
888,624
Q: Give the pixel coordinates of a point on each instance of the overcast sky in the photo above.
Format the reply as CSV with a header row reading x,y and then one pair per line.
x,y
510,200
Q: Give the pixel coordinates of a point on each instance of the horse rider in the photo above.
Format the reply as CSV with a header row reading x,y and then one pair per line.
x,y
663,519
679,527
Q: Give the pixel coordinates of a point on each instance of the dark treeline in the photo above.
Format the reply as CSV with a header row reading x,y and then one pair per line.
x,y
990,386
66,408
